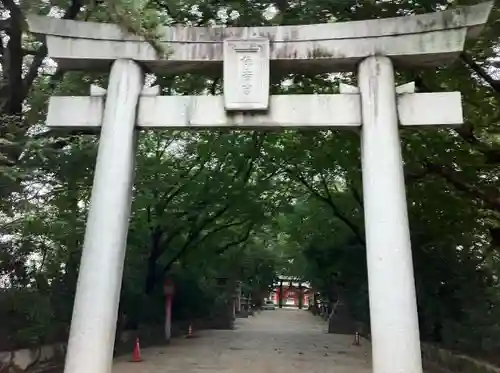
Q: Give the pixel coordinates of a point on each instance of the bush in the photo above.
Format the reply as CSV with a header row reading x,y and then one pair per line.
x,y
30,320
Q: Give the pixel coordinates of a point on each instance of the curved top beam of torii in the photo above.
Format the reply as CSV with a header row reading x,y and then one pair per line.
x,y
411,41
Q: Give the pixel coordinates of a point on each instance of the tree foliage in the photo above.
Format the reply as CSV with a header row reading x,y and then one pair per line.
x,y
245,205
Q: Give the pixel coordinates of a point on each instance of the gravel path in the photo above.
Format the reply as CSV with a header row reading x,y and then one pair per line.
x,y
280,341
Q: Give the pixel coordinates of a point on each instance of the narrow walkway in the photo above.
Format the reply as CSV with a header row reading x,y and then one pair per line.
x,y
280,341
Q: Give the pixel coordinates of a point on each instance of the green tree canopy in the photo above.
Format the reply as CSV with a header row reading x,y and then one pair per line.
x,y
245,205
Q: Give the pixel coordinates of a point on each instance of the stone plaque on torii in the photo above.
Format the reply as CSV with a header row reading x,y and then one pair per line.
x,y
248,54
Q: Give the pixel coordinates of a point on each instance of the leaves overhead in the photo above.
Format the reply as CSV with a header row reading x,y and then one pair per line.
x,y
247,205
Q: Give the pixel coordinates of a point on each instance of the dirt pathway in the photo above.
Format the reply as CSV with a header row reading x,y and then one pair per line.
x,y
280,341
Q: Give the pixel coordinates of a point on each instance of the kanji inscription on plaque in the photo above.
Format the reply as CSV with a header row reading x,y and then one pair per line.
x,y
246,74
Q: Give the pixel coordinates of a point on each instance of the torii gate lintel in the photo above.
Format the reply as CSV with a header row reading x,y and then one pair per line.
x,y
414,41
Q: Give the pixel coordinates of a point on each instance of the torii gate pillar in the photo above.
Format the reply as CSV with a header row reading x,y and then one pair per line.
x,y
99,282
393,308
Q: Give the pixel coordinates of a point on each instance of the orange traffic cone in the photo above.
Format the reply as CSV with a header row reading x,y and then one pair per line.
x,y
136,355
190,332
356,339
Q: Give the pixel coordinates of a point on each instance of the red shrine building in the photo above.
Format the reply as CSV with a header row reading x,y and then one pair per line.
x,y
293,290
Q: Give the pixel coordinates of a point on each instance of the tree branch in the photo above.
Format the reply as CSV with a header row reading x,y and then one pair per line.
x,y
14,58
29,52
357,196
170,194
74,9
490,198
415,175
325,187
173,192
245,171
218,229
238,241
11,6
40,55
193,235
200,223
353,227
466,131
475,67
213,87
163,4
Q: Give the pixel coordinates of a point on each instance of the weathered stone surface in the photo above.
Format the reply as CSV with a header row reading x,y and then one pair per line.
x,y
30,358
83,112
427,109
246,74
297,111
421,40
22,359
284,111
5,358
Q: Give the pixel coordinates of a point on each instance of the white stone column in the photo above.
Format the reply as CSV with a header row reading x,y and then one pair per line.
x,y
393,307
168,321
93,326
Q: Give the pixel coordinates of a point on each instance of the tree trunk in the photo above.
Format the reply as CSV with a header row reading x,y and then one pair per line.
x,y
155,251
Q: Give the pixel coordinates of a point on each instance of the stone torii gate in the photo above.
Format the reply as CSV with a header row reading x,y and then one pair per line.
x,y
247,55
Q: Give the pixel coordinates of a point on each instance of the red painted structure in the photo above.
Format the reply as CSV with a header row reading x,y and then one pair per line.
x,y
292,293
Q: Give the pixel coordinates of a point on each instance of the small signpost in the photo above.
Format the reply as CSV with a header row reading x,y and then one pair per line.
x,y
169,291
